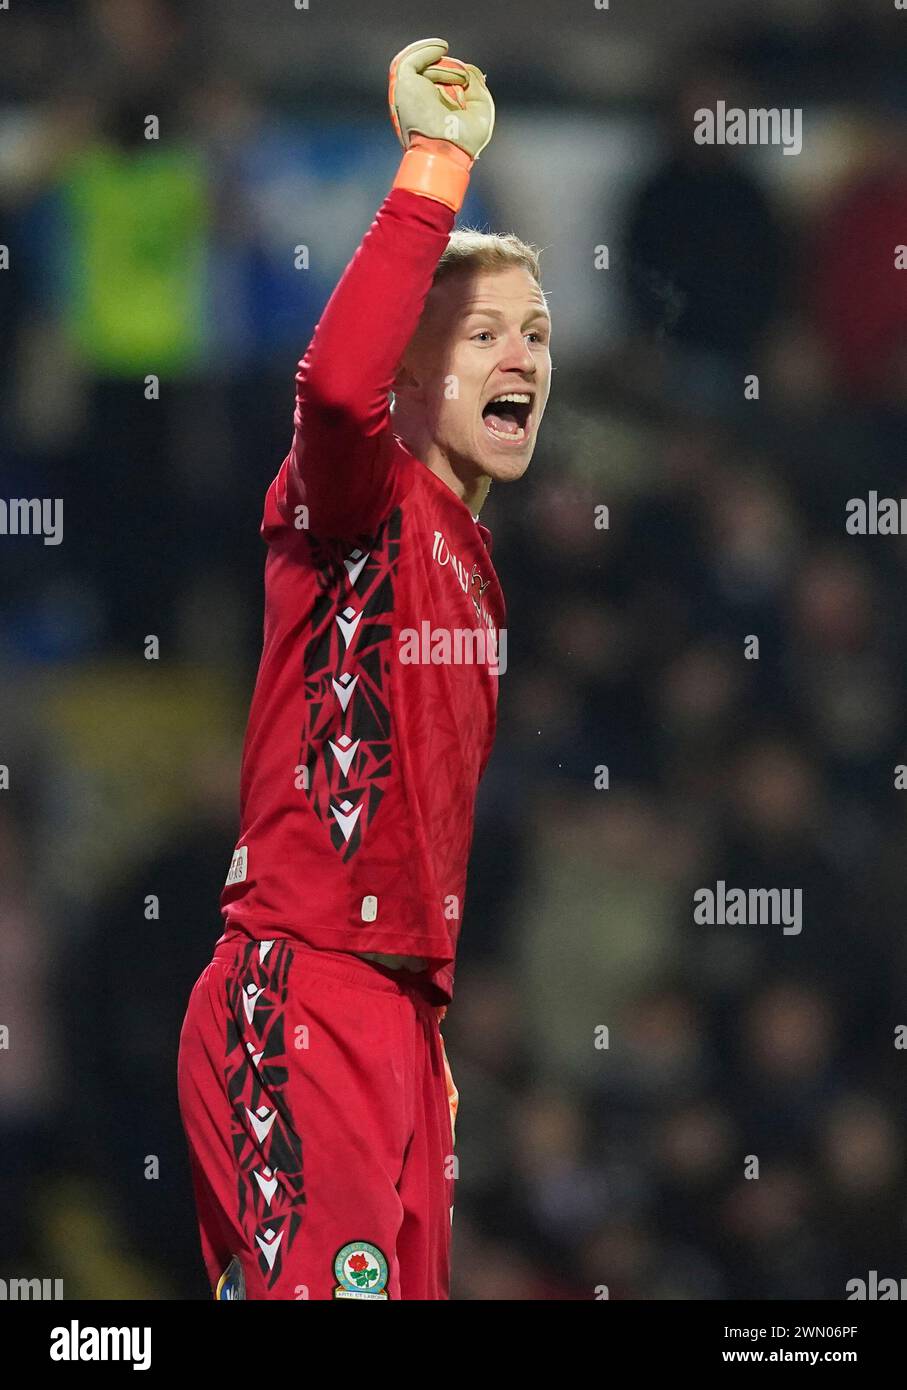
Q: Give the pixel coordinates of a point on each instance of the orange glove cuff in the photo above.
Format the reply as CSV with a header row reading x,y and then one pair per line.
x,y
426,170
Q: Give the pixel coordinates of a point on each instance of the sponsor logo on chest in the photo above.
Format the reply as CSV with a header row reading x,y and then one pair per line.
x,y
470,579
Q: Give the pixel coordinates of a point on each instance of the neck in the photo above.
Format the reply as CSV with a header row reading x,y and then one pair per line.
x,y
458,474
472,490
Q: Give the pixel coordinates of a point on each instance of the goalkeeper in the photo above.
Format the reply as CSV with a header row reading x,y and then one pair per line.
x,y
314,1087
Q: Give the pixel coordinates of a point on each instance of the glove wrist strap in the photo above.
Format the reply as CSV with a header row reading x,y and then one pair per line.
x,y
434,175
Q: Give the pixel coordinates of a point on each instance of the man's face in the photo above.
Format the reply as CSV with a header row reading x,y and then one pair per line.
x,y
482,336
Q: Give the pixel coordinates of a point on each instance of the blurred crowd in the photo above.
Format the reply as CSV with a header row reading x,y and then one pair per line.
x,y
620,1066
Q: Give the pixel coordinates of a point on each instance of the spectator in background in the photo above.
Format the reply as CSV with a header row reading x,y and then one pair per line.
x,y
859,271
596,920
705,248
123,1040
28,1073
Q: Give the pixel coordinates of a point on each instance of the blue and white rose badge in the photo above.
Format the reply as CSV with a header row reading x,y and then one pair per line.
x,y
361,1271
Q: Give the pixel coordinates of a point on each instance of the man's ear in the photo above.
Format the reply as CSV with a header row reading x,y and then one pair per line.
x,y
405,380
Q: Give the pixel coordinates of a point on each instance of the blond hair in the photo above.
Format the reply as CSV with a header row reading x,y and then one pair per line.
x,y
470,250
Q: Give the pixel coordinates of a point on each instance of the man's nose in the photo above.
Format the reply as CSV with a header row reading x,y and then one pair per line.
x,y
518,356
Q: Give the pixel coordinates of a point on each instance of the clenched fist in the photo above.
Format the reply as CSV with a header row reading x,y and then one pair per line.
x,y
439,98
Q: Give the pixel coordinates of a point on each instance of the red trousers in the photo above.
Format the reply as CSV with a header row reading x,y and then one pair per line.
x,y
319,1110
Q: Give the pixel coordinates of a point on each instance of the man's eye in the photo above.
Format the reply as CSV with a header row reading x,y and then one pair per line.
x,y
484,333
539,337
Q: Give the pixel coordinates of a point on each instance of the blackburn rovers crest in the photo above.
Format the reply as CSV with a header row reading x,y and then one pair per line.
x,y
361,1271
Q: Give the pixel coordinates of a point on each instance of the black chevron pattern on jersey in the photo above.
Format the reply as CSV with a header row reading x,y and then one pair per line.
x,y
345,744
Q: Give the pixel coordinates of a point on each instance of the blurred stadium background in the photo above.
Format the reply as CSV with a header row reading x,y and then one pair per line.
x,y
578,1166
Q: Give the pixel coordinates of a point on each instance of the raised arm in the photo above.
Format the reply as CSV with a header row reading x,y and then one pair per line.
x,y
340,462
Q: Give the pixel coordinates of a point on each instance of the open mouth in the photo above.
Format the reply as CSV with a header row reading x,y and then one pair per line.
x,y
507,416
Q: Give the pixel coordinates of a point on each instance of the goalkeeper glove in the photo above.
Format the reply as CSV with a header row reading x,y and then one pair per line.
x,y
444,117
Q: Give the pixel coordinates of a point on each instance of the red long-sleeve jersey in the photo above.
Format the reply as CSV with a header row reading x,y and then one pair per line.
x,y
362,754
